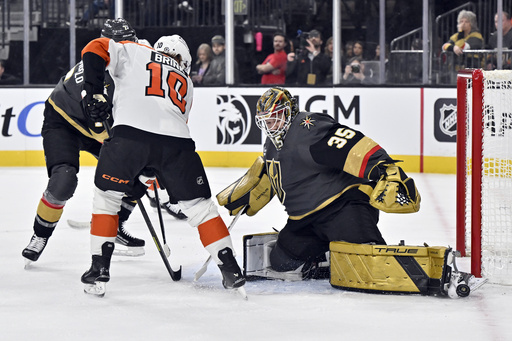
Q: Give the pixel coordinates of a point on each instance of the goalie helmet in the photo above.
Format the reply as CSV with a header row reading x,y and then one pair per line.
x,y
176,47
118,30
275,111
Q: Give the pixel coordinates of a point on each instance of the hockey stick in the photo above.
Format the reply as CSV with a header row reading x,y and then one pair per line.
x,y
202,270
175,275
167,250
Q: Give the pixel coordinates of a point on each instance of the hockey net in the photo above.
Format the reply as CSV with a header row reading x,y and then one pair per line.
x,y
484,172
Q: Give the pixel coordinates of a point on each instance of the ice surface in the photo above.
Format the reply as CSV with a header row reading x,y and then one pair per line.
x,y
46,301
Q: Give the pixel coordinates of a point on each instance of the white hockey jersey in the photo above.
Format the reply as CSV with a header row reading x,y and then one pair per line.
x,y
152,92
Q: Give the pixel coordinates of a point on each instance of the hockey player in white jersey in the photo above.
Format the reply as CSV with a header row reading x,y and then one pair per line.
x,y
151,105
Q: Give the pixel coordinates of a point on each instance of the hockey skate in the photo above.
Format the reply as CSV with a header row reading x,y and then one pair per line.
x,y
128,245
34,249
99,273
232,277
174,210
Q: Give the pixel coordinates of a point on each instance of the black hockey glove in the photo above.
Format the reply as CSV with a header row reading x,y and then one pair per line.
x,y
97,106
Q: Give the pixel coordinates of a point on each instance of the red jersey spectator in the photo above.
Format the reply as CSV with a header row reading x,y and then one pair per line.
x,y
273,68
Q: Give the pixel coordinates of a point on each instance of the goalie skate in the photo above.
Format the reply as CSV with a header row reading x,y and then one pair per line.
x,y
461,283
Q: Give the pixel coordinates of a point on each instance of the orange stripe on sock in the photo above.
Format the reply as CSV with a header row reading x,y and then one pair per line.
x,y
104,225
212,230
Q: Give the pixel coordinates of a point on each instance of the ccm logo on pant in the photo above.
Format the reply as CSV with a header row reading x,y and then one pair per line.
x,y
114,179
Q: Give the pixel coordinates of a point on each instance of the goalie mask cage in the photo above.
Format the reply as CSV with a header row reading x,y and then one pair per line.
x,y
484,172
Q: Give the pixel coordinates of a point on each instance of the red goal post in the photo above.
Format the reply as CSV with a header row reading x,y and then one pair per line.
x,y
484,172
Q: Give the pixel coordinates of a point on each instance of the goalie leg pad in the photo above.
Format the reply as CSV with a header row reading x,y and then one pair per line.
x,y
390,268
257,264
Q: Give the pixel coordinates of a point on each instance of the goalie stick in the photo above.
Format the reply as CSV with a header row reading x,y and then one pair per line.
x,y
175,275
202,270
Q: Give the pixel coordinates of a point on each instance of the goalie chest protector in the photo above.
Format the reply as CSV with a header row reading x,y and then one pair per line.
x,y
300,183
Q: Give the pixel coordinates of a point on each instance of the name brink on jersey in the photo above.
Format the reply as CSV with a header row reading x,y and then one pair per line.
x,y
162,59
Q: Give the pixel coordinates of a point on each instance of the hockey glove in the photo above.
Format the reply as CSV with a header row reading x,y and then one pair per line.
x,y
253,189
395,192
97,106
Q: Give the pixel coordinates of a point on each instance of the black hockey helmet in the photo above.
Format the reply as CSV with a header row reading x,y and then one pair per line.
x,y
119,30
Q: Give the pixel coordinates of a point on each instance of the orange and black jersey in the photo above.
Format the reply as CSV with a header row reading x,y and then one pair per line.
x,y
319,160
66,100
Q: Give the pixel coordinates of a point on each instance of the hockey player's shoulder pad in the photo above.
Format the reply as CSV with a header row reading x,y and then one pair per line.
x,y
253,189
395,192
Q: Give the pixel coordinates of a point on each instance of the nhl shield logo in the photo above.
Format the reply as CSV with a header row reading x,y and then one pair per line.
x,y
445,120
448,119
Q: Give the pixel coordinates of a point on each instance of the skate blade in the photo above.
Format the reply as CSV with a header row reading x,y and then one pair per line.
x,y
96,289
125,251
28,263
241,291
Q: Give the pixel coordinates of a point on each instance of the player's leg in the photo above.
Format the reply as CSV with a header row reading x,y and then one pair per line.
x,y
184,173
352,219
298,252
61,148
120,162
128,245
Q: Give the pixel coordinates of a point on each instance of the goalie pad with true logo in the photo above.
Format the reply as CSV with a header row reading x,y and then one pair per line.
x,y
253,189
399,269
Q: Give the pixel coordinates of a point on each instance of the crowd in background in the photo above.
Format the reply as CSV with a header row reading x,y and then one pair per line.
x,y
306,57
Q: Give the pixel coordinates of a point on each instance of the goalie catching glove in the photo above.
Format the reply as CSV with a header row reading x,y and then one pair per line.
x,y
395,192
253,189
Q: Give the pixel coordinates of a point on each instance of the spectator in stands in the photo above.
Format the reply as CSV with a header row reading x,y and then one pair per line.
x,y
354,72
273,68
216,74
358,50
309,66
507,41
468,37
95,8
204,59
349,49
507,32
6,78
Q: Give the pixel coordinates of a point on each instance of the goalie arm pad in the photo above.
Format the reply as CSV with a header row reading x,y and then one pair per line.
x,y
395,192
253,189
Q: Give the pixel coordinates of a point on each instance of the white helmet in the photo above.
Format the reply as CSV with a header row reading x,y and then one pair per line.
x,y
173,46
